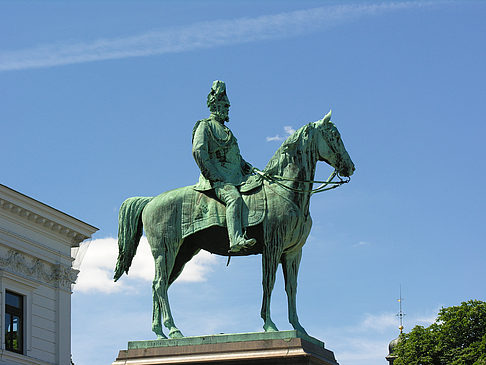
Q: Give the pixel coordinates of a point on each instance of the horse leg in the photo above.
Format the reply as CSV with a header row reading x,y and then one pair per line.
x,y
269,268
290,268
161,287
157,312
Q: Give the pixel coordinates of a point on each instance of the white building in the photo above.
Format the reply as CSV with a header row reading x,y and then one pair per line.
x,y
36,275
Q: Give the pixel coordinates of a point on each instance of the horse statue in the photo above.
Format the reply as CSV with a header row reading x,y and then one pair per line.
x,y
286,185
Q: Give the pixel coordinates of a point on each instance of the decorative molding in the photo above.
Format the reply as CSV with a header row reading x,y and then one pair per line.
x,y
59,276
72,235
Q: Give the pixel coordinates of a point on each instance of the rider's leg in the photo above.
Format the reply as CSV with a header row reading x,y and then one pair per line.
x,y
231,197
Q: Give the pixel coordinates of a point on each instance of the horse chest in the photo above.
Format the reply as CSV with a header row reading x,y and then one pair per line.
x,y
294,220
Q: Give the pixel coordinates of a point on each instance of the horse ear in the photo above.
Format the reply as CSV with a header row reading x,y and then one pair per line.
x,y
326,119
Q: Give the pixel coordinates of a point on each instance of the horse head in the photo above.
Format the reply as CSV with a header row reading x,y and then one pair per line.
x,y
331,147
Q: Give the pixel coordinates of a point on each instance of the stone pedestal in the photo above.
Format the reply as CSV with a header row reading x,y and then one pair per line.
x,y
269,348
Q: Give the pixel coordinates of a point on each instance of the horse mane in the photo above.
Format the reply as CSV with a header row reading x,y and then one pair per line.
x,y
294,149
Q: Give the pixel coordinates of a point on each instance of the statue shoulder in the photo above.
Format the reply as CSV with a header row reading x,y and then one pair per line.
x,y
202,122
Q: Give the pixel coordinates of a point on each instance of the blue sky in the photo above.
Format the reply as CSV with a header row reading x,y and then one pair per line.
x,y
98,102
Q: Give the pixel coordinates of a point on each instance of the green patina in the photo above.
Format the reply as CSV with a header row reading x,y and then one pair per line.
x,y
274,211
225,338
200,211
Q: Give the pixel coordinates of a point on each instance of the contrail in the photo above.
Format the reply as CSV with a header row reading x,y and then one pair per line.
x,y
196,36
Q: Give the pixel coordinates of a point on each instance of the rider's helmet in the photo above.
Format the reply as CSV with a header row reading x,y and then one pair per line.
x,y
217,96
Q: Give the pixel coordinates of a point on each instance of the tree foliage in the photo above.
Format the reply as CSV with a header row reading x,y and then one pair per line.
x,y
458,337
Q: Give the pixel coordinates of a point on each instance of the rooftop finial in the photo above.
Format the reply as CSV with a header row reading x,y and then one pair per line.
x,y
400,314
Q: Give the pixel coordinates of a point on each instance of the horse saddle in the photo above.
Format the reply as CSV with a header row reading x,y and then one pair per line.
x,y
201,210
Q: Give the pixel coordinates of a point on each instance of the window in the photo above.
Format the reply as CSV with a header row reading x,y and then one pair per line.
x,y
14,322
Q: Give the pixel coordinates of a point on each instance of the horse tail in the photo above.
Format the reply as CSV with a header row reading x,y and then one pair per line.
x,y
130,229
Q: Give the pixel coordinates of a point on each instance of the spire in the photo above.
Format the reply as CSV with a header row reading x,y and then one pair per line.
x,y
392,357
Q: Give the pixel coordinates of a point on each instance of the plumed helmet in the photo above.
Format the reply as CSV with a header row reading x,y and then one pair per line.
x,y
217,94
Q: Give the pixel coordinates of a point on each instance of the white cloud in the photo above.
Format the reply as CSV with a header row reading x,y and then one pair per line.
x,y
196,36
275,138
426,320
364,351
361,243
288,131
198,268
385,321
96,273
378,322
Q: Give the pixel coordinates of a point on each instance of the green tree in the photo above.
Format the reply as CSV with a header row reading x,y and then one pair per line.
x,y
458,337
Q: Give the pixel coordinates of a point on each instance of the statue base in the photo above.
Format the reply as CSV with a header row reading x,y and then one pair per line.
x,y
269,348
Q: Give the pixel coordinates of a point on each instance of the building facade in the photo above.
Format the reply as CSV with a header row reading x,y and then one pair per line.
x,y
36,276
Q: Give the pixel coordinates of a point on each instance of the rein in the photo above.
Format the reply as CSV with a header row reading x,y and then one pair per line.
x,y
323,187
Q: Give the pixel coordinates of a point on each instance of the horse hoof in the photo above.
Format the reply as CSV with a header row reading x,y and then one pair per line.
x,y
175,334
270,327
161,337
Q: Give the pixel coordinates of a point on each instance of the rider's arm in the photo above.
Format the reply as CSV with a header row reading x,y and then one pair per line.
x,y
200,151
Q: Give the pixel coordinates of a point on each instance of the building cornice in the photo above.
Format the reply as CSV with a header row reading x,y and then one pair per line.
x,y
43,216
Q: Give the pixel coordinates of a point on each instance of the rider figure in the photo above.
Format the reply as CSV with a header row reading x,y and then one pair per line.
x,y
216,152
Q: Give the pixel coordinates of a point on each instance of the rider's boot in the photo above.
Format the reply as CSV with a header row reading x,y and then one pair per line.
x,y
242,244
233,220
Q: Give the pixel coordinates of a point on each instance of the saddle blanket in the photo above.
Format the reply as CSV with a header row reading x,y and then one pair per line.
x,y
201,210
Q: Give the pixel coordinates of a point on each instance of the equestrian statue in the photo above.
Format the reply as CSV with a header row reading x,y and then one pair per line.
x,y
235,209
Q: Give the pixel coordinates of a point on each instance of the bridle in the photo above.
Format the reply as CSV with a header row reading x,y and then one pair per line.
x,y
277,179
329,184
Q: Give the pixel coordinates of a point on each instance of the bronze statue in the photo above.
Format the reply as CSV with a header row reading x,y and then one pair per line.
x,y
274,210
222,168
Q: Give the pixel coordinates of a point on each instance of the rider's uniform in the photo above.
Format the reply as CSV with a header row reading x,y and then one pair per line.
x,y
217,154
